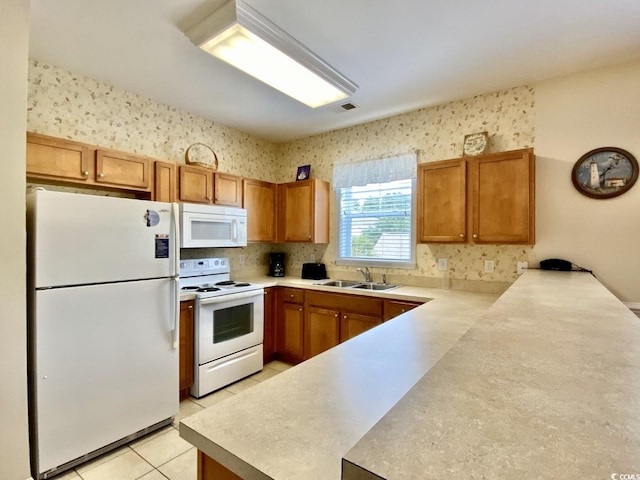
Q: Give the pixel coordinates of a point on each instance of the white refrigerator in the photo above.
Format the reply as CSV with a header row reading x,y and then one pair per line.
x,y
103,324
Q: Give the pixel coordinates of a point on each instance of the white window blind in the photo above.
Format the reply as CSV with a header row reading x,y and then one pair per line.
x,y
375,221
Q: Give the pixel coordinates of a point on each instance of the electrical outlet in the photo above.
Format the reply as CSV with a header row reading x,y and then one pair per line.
x,y
443,264
241,259
489,266
522,266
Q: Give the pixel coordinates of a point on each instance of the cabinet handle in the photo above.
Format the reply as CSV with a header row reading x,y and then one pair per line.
x,y
336,315
292,295
475,235
101,175
85,173
461,235
309,237
209,198
345,317
403,310
190,307
299,309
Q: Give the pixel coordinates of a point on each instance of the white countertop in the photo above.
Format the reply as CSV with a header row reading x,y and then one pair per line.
x,y
299,424
546,385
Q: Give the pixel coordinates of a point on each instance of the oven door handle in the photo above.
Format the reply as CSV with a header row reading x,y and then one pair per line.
x,y
230,297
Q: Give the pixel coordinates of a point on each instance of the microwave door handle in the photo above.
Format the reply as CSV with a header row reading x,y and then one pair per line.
x,y
234,225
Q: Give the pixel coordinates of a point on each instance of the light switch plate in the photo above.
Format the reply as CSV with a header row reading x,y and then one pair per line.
x,y
489,266
443,264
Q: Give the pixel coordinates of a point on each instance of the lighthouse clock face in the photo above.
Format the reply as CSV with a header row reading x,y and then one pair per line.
x,y
605,172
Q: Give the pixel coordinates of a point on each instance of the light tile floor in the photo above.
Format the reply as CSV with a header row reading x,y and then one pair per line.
x,y
163,454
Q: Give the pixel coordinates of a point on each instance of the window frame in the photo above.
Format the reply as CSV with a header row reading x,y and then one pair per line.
x,y
374,262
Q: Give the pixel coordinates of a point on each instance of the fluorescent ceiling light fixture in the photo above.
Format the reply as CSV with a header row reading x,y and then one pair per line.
x,y
239,35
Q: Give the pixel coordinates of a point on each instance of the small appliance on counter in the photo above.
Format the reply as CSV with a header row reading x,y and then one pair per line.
x,y
314,271
276,264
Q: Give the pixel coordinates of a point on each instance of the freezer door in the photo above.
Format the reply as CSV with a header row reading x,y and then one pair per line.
x,y
79,239
104,366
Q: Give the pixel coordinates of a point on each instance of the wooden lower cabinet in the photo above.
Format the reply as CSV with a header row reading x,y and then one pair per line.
x,y
393,308
290,325
332,318
269,343
186,347
209,469
353,324
321,330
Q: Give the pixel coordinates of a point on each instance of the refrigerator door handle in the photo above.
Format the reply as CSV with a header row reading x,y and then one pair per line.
x,y
176,271
176,315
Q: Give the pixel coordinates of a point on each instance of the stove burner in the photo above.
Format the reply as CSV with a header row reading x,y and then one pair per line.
x,y
190,288
242,284
225,283
207,289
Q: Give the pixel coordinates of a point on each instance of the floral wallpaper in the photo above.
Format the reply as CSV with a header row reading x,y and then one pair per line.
x,y
68,105
437,133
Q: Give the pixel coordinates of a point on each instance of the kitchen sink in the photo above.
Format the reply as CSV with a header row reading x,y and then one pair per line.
x,y
375,286
339,283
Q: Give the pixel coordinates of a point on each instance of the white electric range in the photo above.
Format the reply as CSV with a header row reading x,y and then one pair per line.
x,y
229,324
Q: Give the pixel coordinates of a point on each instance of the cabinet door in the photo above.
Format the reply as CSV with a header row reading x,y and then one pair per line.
x,y
186,347
442,201
503,197
122,169
303,211
268,346
296,208
58,159
352,324
227,189
260,202
164,182
195,185
393,308
289,330
322,330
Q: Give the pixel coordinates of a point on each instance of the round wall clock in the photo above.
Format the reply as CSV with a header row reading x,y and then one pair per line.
x,y
605,172
475,143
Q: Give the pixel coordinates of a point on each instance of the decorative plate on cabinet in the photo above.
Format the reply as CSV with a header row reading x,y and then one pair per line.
x,y
475,143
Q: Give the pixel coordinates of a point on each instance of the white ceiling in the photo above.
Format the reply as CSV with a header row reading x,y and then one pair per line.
x,y
403,54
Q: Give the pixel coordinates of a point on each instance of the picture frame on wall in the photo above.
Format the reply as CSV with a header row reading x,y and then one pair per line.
x,y
304,172
605,172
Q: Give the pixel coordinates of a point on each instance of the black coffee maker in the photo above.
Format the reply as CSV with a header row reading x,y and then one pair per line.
x,y
276,264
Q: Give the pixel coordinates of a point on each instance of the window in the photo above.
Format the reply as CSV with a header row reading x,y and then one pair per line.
x,y
375,219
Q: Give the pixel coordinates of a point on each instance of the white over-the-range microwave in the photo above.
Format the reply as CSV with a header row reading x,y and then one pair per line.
x,y
203,226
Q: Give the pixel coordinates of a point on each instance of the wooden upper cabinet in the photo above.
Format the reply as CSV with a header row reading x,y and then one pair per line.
x,y
502,198
58,159
260,202
488,199
122,170
164,181
195,184
303,211
442,201
227,189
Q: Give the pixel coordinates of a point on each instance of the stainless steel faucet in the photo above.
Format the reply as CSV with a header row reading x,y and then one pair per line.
x,y
365,273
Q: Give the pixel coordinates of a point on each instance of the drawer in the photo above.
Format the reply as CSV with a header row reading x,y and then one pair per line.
x,y
293,295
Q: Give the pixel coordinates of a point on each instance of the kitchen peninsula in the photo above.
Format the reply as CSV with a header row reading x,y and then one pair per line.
x,y
543,383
